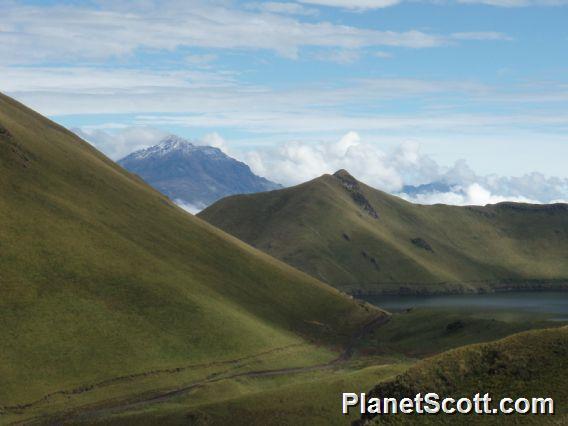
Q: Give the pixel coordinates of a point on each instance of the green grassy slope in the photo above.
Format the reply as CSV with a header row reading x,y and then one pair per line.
x,y
101,276
229,395
308,399
525,365
308,396
423,332
360,239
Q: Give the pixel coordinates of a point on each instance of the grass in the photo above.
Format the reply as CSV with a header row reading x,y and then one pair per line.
x,y
311,398
98,400
529,364
112,298
328,229
423,332
103,277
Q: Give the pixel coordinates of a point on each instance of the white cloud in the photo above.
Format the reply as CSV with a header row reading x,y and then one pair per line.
x,y
201,60
216,140
101,81
339,56
190,208
119,144
286,8
354,4
382,55
91,90
474,194
389,170
297,162
78,33
468,188
305,121
218,98
481,36
516,3
117,140
215,99
380,4
533,186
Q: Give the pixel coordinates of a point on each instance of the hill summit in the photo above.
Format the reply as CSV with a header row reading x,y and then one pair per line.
x,y
193,174
363,240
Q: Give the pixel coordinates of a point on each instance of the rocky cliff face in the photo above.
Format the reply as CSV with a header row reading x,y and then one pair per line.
x,y
191,174
352,186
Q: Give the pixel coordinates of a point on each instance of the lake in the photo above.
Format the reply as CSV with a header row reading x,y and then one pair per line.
x,y
554,304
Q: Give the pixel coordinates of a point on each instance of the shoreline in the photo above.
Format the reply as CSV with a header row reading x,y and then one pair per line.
x,y
463,288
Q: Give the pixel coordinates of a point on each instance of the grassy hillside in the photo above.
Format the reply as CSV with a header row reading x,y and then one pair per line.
x,y
271,396
308,399
362,240
529,364
313,397
106,286
422,332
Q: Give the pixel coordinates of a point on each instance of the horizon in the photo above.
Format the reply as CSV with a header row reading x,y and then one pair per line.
x,y
472,93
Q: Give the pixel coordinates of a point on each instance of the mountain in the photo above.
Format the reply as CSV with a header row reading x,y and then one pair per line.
x,y
362,240
427,188
525,365
108,289
194,175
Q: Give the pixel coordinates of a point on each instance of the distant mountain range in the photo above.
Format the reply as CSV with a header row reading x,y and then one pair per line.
x,y
427,188
192,174
362,240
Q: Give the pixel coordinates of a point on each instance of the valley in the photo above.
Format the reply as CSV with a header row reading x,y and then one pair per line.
x,y
107,286
118,307
269,212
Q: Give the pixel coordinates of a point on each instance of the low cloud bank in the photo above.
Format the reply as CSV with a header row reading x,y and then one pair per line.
x,y
122,141
474,194
188,207
296,162
394,171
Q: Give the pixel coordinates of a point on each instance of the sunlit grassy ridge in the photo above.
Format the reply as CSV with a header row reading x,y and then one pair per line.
x,y
102,277
525,365
360,239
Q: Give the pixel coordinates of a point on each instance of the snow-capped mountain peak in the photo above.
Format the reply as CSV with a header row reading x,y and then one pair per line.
x,y
193,174
173,144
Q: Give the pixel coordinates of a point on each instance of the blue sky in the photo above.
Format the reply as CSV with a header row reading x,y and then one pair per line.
x,y
480,80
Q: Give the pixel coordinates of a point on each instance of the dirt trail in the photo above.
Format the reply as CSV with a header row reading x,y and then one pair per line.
x,y
90,413
131,377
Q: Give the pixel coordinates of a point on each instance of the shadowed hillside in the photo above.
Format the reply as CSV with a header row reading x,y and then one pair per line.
x,y
362,240
103,281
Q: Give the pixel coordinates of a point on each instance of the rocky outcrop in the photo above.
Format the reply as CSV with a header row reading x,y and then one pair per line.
x,y
4,132
371,259
354,189
423,244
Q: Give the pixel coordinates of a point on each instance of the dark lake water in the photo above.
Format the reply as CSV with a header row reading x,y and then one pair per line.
x,y
554,304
